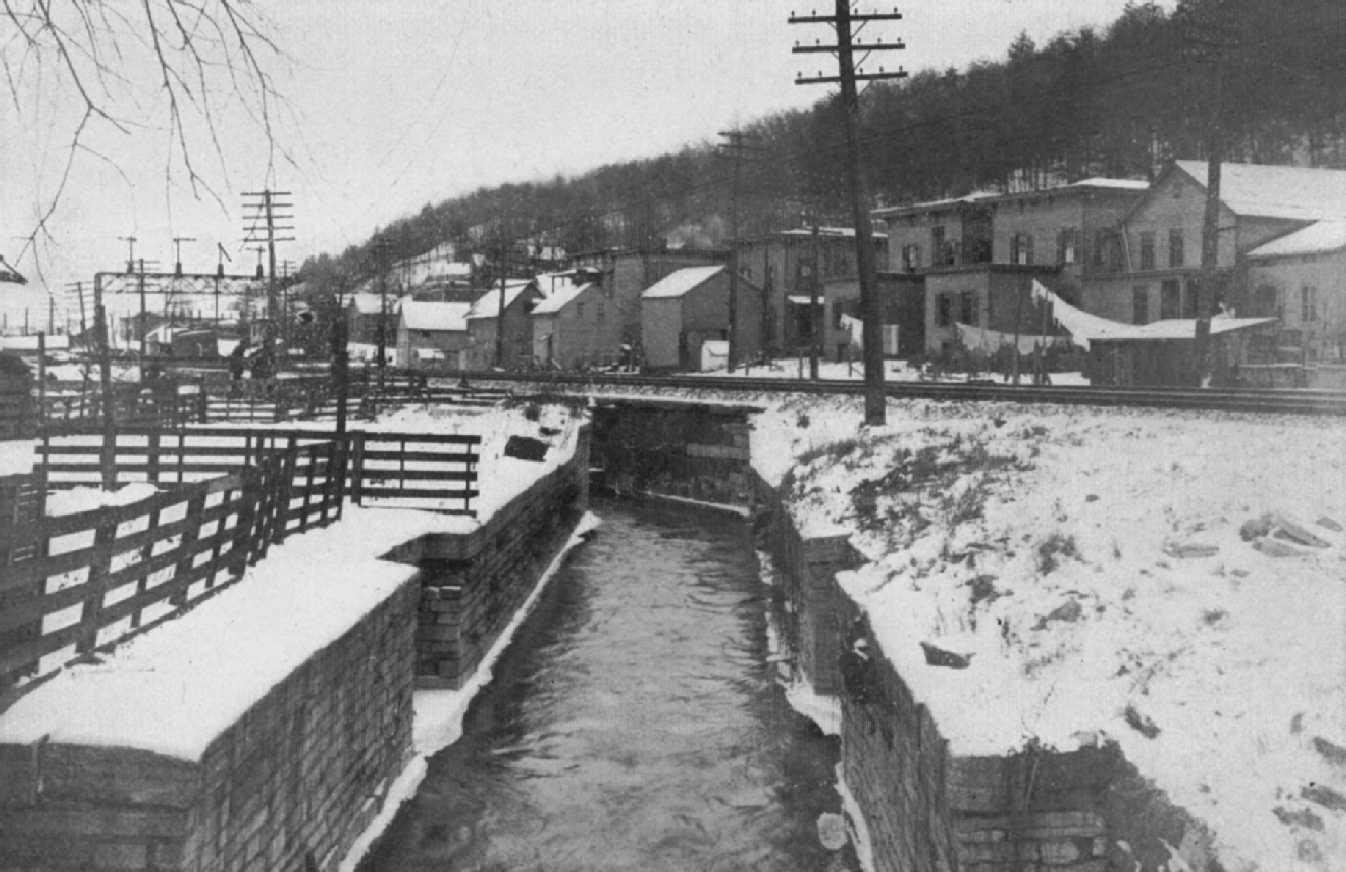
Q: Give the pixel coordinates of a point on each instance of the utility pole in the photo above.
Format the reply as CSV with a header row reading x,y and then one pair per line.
x,y
83,325
107,455
1207,37
380,264
177,252
735,146
844,22
130,253
500,305
140,285
815,301
264,213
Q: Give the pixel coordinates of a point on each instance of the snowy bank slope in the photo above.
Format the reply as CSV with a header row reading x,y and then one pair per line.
x,y
1175,582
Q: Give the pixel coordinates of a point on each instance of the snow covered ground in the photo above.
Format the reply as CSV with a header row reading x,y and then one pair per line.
x,y
1173,581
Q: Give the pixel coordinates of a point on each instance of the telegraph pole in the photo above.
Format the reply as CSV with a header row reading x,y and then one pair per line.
x,y
177,253
264,214
500,307
83,325
380,258
1207,39
843,21
735,145
130,253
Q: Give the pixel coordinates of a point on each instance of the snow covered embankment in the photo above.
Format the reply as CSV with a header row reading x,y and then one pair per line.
x,y
1172,582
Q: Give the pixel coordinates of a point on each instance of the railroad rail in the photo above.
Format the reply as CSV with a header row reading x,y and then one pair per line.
x,y
1291,401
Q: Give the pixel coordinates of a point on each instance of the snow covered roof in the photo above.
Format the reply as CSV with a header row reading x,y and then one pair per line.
x,y
561,298
54,342
1319,238
488,304
1118,184
446,317
942,203
1294,193
678,284
372,304
842,232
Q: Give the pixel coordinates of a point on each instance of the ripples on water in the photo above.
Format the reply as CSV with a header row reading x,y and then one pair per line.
x,y
633,725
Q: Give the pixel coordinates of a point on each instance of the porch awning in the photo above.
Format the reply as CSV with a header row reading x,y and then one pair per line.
x,y
802,299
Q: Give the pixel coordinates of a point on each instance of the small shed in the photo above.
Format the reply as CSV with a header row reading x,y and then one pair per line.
x,y
432,335
576,326
1163,353
690,306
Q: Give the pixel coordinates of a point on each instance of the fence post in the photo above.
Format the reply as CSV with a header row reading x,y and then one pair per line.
x,y
152,455
311,452
249,501
358,469
202,402
196,507
100,567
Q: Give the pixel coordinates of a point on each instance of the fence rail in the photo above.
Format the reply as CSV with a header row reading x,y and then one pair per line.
x,y
77,582
419,470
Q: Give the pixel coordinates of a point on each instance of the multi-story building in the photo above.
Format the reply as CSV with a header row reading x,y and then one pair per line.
x,y
1158,268
977,253
782,267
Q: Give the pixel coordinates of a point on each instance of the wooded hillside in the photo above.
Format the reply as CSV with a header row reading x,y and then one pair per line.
x,y
1119,102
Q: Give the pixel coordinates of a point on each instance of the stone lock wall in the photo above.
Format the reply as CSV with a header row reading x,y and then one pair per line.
x,y
287,788
473,584
929,810
819,616
672,448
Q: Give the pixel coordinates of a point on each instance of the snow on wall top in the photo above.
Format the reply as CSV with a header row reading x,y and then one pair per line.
x,y
1319,238
1110,575
1294,193
681,282
175,689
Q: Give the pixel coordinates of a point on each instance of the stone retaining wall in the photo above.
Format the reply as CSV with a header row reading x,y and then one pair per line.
x,y
473,584
288,787
929,810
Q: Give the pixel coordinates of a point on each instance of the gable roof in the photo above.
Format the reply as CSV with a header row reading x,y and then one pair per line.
x,y
1319,238
681,282
1264,191
443,317
561,298
488,304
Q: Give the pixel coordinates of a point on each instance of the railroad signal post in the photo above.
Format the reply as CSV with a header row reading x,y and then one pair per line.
x,y
844,21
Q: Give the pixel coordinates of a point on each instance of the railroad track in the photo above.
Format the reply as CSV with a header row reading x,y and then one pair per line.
x,y
1252,400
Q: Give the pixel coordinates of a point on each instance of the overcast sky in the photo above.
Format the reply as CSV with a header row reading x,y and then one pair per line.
x,y
395,104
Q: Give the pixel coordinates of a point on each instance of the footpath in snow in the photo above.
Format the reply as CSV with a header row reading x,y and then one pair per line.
x,y
1171,581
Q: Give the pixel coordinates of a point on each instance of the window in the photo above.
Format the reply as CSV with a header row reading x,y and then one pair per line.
x,y
1147,250
1107,251
911,257
1267,302
1021,249
1175,257
1140,305
1308,304
579,311
1067,246
599,314
944,310
969,307
936,242
1190,300
1170,299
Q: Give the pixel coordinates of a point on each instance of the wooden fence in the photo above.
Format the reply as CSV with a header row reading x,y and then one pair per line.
x,y
78,582
416,470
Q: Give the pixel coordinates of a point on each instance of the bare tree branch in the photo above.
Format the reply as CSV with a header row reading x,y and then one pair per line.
x,y
98,52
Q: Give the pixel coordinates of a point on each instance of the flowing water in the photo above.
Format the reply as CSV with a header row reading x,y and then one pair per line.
x,y
634,724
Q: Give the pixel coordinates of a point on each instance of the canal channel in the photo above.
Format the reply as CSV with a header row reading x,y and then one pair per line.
x,y
635,723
